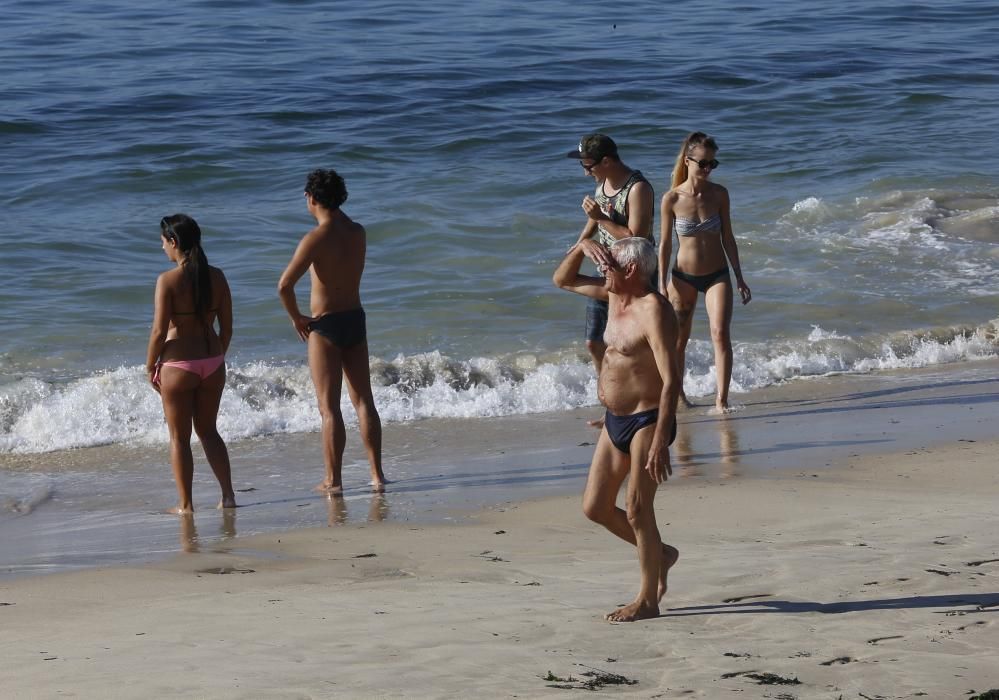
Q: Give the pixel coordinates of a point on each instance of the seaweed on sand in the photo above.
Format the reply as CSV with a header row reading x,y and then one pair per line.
x,y
595,679
763,678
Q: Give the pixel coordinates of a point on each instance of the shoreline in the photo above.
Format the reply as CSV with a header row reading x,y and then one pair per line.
x,y
101,506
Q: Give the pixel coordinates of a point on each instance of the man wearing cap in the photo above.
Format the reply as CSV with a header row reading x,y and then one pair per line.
x,y
621,207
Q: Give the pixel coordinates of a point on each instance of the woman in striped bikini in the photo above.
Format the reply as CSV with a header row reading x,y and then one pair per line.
x,y
186,356
697,211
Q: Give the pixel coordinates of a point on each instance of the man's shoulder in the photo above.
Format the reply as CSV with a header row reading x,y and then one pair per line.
x,y
658,306
641,186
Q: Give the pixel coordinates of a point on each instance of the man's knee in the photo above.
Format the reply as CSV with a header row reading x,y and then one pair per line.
x,y
329,410
365,408
595,510
683,313
180,437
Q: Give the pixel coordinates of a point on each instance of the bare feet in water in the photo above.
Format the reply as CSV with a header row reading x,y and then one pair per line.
x,y
639,610
326,488
378,486
180,510
670,555
227,502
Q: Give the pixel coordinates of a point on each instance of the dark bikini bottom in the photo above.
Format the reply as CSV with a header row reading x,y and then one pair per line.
x,y
702,282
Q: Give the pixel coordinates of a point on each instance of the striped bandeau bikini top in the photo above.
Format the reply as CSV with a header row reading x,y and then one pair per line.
x,y
690,227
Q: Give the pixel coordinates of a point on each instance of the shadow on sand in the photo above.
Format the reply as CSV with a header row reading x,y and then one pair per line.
x,y
977,602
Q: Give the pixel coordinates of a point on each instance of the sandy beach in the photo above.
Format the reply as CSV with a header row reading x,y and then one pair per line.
x,y
869,570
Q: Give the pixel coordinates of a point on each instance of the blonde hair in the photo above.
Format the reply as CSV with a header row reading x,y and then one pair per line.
x,y
692,141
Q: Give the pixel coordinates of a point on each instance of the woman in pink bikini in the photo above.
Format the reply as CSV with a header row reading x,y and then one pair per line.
x,y
186,358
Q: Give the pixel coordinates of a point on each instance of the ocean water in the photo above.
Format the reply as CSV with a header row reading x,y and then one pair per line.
x,y
856,142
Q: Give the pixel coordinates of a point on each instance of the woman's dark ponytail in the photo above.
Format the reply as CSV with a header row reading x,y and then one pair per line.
x,y
185,231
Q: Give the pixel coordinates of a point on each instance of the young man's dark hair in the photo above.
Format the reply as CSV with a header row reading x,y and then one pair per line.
x,y
327,188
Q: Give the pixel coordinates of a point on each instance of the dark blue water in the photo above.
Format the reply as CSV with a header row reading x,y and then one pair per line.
x,y
856,142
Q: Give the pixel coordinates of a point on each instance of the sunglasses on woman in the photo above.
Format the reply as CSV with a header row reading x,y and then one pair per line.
x,y
705,163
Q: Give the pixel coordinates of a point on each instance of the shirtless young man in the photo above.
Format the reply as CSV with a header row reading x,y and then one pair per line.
x,y
333,253
639,386
622,206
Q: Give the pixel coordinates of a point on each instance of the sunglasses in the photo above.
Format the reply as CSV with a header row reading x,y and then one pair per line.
x,y
590,167
705,163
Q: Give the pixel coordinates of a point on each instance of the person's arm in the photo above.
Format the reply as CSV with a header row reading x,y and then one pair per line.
x,y
161,326
224,314
661,335
588,230
731,250
300,262
640,206
666,216
567,274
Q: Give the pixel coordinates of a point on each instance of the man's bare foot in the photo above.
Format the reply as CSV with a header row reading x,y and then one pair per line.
x,y
378,486
597,423
227,502
180,510
670,555
638,610
328,489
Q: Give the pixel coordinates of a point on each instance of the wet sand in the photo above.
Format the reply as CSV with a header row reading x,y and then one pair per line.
x,y
839,532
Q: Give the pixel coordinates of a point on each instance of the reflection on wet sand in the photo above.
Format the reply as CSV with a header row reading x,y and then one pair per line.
x,y
688,462
728,447
337,505
378,509
188,533
228,529
683,452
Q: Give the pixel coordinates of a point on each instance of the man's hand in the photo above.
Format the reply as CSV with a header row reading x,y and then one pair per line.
x,y
600,256
593,209
302,327
658,466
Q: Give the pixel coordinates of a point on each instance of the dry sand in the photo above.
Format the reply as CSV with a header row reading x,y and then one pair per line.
x,y
876,577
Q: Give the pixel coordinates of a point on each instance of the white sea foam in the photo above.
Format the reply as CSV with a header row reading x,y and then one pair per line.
x,y
818,334
118,406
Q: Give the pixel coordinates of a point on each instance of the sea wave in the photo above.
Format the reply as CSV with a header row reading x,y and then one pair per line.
x,y
261,398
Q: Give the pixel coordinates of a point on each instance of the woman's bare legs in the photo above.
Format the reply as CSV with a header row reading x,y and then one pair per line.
x,y
683,298
177,389
718,302
207,397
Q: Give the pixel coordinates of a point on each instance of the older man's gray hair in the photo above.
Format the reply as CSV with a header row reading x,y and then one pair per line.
x,y
637,250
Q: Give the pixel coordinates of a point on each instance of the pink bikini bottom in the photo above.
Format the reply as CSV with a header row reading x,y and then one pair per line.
x,y
203,368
